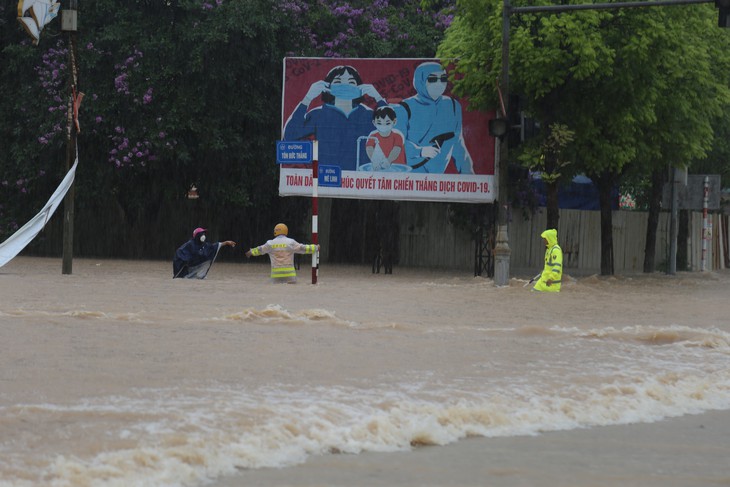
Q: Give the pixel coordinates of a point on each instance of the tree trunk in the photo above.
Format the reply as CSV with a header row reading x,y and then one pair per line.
x,y
683,261
655,201
605,187
553,212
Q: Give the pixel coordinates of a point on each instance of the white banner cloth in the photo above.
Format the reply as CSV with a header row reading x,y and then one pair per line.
x,y
25,235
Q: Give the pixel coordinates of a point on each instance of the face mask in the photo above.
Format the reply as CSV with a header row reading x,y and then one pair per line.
x,y
435,90
202,238
345,91
383,127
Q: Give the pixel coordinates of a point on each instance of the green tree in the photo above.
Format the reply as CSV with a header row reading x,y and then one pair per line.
x,y
549,159
603,75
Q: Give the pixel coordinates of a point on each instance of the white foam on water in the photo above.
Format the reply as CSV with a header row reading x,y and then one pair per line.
x,y
76,313
278,315
186,437
566,378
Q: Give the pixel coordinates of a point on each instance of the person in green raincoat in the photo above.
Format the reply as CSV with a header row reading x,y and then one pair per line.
x,y
552,273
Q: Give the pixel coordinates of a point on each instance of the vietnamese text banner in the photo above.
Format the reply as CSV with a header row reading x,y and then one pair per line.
x,y
389,120
393,186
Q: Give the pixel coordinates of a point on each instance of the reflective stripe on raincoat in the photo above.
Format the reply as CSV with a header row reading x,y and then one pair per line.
x,y
281,251
553,270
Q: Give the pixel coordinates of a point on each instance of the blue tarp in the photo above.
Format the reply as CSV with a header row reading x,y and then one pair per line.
x,y
580,194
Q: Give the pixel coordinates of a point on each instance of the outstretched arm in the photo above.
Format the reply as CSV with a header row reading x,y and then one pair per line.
x,y
306,248
260,250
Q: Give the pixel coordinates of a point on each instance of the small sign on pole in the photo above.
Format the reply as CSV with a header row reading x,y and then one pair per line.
x,y
330,176
296,152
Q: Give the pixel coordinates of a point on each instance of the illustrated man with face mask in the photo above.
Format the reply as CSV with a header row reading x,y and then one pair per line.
x,y
340,121
195,257
432,124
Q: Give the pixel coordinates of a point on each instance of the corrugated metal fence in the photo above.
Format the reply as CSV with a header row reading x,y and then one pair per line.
x,y
427,238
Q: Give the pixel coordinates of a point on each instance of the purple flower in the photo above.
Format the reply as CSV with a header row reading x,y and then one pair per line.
x,y
380,27
120,83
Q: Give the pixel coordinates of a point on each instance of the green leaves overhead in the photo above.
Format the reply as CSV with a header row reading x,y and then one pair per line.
x,y
636,85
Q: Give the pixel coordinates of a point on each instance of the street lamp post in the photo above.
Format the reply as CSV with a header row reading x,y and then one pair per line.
x,y
502,250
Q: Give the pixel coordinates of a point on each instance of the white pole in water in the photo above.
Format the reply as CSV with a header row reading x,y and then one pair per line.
x,y
315,184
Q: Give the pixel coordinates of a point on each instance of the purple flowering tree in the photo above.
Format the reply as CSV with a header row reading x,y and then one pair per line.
x,y
383,28
176,93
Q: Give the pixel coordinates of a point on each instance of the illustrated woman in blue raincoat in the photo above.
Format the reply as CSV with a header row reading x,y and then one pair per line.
x,y
432,124
342,123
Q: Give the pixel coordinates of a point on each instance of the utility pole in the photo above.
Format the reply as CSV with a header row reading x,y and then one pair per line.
x,y
69,24
502,252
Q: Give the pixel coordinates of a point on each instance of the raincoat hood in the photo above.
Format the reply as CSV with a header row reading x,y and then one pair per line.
x,y
551,235
419,80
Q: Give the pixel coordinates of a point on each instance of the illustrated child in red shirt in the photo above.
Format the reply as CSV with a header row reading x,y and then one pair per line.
x,y
385,144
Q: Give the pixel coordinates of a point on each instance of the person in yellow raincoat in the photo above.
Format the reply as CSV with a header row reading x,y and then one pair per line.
x,y
552,273
281,250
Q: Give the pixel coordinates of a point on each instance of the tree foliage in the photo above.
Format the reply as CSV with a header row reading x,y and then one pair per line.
x,y
637,86
177,92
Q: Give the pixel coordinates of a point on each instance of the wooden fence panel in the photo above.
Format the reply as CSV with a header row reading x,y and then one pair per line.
x,y
590,241
569,238
429,239
527,249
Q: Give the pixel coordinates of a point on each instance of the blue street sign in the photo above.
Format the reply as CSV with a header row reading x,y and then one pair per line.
x,y
330,176
295,152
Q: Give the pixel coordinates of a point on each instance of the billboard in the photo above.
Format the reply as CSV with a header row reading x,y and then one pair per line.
x,y
386,129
